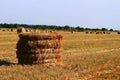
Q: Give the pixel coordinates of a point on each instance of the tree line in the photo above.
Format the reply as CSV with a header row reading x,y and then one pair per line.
x,y
53,27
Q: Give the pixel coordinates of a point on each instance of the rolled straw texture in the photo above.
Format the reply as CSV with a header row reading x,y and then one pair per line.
x,y
39,48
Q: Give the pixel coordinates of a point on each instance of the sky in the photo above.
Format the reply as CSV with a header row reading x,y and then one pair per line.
x,y
83,13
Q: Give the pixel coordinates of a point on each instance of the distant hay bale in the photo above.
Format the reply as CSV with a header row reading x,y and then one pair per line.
x,y
107,32
30,30
35,30
39,48
118,32
97,32
11,30
3,30
101,32
7,29
91,32
87,32
104,32
27,30
21,30
72,32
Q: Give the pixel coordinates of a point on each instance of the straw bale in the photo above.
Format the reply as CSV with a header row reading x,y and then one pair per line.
x,y
3,30
40,36
41,55
104,32
87,32
21,30
118,32
107,32
30,30
40,51
49,61
39,48
7,29
97,32
91,32
58,59
27,30
49,51
45,44
11,30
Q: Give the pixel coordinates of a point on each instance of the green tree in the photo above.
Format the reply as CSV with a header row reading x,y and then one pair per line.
x,y
104,29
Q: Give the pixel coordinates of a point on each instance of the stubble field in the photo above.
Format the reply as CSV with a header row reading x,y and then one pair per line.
x,y
85,57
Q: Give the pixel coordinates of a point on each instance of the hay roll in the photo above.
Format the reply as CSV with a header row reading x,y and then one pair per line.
x,y
21,30
40,36
39,48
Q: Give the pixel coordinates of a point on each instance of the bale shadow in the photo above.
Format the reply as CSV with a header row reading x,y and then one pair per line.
x,y
6,63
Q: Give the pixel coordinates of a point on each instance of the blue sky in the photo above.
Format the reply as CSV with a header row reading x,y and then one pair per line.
x,y
84,13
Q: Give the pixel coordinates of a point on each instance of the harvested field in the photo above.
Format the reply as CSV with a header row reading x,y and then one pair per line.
x,y
86,57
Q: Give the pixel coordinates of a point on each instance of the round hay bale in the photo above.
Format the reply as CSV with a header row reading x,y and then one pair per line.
x,y
39,48
11,29
7,29
3,30
87,32
21,30
118,32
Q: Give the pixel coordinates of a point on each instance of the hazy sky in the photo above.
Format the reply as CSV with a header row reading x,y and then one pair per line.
x,y
84,13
